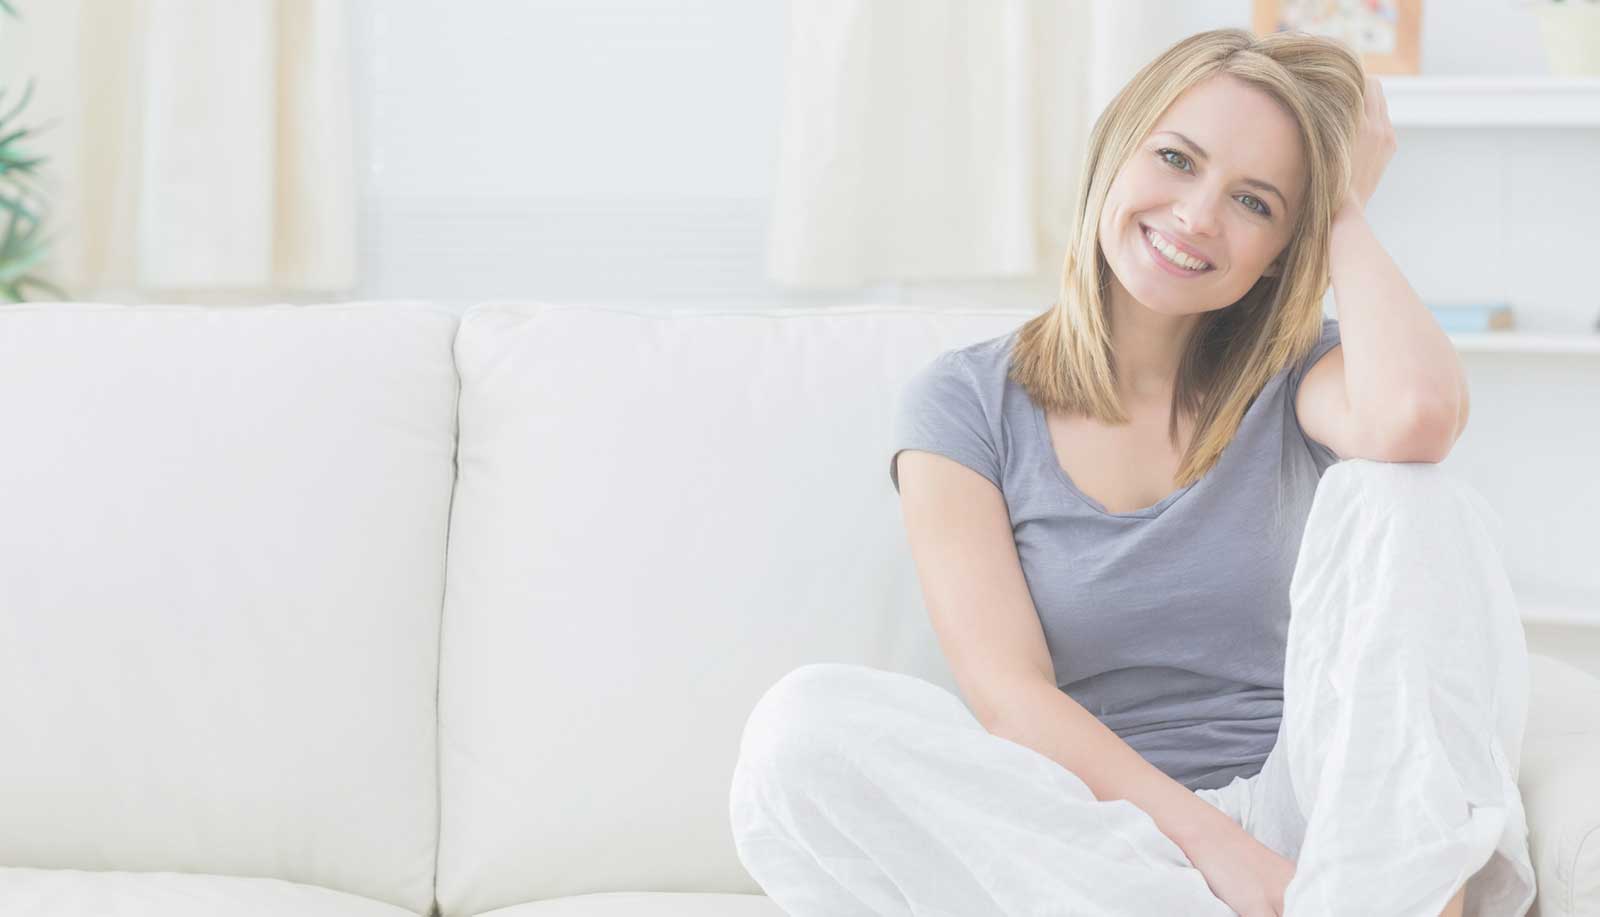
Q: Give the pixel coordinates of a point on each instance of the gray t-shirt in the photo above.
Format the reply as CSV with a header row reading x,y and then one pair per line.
x,y
1168,623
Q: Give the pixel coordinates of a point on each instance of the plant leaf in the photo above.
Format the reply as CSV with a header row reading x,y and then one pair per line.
x,y
19,250
60,293
16,289
27,93
18,208
11,270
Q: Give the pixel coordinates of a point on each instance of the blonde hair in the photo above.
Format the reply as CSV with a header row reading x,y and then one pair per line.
x,y
1063,357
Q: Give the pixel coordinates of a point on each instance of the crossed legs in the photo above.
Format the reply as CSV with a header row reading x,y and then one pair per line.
x,y
865,792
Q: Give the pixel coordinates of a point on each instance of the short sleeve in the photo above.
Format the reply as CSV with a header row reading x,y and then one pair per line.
x,y
1328,340
941,410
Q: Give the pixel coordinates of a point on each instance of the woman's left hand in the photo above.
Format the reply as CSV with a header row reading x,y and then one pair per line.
x,y
1374,145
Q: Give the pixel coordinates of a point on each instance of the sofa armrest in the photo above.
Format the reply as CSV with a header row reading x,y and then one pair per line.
x,y
1560,785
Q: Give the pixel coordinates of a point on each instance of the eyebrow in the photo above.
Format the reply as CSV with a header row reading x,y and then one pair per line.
x,y
1253,182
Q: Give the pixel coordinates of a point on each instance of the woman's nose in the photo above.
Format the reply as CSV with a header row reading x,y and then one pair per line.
x,y
1198,213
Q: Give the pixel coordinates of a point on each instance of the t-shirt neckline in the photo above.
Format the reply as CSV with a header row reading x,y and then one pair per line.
x,y
1042,432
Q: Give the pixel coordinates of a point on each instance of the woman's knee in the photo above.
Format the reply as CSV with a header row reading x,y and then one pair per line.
x,y
1411,511
1415,489
803,715
1392,539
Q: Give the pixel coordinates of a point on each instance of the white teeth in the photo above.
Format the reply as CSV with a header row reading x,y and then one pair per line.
x,y
1172,254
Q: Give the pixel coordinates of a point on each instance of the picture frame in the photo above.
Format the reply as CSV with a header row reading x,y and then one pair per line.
x,y
1387,34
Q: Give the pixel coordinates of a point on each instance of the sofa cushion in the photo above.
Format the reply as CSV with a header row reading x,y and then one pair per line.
x,y
221,555
1560,785
645,904
657,515
79,893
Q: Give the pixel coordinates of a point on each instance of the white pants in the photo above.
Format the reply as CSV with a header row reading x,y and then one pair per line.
x,y
1392,781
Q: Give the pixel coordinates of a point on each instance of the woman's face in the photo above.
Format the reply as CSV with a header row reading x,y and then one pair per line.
x,y
1205,199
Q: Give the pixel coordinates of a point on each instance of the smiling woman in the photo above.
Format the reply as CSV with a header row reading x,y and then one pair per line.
x,y
1202,251
1114,516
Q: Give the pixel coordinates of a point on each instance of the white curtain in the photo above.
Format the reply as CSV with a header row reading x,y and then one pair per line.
x,y
203,150
941,139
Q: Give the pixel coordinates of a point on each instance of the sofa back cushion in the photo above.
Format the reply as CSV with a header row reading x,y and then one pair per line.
x,y
222,537
657,515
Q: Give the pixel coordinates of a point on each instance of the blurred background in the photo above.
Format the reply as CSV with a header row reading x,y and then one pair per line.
x,y
762,154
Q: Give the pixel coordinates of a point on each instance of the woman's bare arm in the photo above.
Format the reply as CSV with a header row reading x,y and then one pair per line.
x,y
966,558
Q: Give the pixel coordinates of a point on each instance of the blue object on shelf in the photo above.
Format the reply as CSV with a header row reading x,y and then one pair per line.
x,y
1470,318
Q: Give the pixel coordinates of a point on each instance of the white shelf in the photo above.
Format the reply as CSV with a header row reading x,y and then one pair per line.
x,y
1580,342
1497,101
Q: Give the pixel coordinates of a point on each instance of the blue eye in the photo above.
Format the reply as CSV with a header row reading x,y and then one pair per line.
x,y
1264,210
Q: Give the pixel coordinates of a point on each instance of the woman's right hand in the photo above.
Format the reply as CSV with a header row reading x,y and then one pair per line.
x,y
1244,873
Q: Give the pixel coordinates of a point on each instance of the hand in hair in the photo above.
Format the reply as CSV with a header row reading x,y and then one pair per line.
x,y
1374,146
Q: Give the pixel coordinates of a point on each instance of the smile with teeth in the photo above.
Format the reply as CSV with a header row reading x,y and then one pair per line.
x,y
1173,255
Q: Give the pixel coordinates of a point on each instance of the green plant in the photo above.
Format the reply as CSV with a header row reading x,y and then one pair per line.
x,y
21,247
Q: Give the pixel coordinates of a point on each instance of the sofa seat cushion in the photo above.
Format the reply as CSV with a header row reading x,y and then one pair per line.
x,y
1560,784
644,904
85,893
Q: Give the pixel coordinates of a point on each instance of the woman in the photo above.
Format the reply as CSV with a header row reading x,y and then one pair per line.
x,y
1115,508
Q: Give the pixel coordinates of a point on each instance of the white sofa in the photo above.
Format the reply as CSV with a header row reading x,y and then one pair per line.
x,y
376,609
